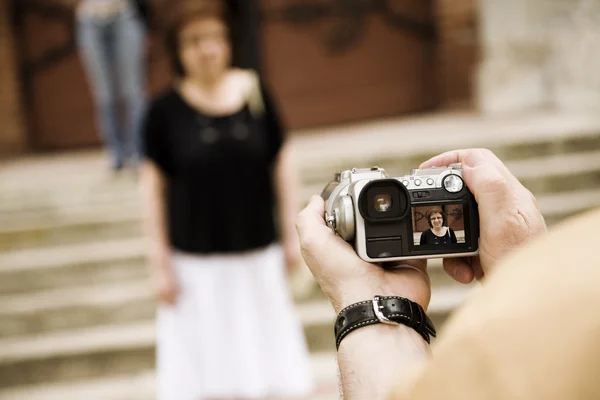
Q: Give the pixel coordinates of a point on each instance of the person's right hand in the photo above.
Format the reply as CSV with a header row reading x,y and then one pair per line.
x,y
166,288
508,212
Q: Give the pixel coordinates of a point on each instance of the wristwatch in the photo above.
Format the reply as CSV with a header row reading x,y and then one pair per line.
x,y
393,310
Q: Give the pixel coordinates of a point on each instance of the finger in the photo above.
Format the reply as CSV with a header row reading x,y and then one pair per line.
x,y
461,156
444,159
313,213
469,158
459,270
418,265
310,223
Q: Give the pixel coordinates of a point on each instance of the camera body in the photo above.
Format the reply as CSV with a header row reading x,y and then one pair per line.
x,y
429,213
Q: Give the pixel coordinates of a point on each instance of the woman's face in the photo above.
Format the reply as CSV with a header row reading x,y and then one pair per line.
x,y
204,48
436,220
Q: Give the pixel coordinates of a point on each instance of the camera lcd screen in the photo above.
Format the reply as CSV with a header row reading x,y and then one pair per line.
x,y
439,225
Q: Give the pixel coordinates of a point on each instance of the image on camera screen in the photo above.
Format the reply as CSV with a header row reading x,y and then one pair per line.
x,y
438,225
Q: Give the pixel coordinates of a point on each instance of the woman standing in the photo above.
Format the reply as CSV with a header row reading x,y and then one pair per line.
x,y
111,40
216,166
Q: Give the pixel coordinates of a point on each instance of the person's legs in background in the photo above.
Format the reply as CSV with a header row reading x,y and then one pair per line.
x,y
131,72
94,41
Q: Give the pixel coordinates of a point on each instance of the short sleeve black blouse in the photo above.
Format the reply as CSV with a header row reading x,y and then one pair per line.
x,y
220,194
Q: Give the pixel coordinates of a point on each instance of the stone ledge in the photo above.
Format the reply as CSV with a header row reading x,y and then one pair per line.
x,y
142,333
142,386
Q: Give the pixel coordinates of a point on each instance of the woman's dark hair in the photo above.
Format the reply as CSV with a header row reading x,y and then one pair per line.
x,y
176,14
429,213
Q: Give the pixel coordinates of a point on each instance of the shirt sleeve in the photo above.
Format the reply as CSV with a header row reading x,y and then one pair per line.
x,y
154,136
273,123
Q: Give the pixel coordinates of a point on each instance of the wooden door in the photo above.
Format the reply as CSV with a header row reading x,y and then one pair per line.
x,y
58,103
328,62
333,61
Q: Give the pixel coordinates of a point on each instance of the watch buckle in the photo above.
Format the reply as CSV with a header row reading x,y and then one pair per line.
x,y
377,310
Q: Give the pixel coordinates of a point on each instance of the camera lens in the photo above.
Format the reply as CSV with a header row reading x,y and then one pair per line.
x,y
382,202
453,183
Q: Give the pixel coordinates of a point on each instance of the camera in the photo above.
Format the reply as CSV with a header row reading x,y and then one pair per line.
x,y
429,213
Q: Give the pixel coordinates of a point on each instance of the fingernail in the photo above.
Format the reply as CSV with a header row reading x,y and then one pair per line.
x,y
475,158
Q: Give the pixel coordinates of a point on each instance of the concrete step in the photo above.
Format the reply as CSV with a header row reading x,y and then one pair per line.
x,y
557,172
112,302
125,349
399,142
405,143
36,202
546,177
118,260
72,265
547,174
87,226
558,206
142,386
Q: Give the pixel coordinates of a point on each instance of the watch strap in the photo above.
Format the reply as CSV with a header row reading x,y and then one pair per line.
x,y
392,310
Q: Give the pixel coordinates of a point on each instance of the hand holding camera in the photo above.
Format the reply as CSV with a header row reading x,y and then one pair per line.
x,y
498,216
402,218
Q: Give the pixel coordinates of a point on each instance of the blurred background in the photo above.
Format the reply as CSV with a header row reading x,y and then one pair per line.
x,y
359,83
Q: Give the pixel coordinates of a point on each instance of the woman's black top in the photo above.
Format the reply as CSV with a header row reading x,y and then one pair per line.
x,y
218,171
428,237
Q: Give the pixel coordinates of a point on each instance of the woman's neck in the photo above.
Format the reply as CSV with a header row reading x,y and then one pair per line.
x,y
208,85
439,230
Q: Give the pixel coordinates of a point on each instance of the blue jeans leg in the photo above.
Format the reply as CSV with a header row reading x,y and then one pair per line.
x,y
94,44
130,61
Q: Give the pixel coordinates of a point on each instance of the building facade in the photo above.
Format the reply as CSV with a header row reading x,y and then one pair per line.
x,y
328,62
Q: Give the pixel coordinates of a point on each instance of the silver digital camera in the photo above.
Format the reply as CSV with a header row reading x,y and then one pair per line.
x,y
429,213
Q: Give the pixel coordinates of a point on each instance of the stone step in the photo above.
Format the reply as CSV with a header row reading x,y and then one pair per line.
x,y
120,259
72,265
397,142
558,206
548,177
541,175
113,302
406,143
552,173
85,265
125,349
82,227
558,172
142,386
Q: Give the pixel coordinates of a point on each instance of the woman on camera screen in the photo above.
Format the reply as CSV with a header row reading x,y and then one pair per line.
x,y
438,232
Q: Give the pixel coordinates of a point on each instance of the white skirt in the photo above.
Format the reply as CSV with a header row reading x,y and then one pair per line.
x,y
233,333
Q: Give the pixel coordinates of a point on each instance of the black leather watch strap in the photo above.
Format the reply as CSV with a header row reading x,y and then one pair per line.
x,y
383,309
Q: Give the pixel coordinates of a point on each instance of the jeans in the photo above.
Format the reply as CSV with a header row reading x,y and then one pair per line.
x,y
112,51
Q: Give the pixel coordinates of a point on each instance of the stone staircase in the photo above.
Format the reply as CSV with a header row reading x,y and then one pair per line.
x,y
76,311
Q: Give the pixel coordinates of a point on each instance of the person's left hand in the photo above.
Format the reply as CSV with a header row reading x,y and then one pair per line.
x,y
346,278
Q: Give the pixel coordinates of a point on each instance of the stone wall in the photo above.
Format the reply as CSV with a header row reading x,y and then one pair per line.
x,y
539,54
12,131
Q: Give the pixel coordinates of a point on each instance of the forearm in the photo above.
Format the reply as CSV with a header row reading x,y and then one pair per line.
x,y
152,186
372,359
286,185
